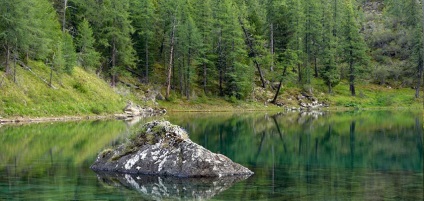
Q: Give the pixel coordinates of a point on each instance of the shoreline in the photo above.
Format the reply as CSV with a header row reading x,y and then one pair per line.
x,y
65,118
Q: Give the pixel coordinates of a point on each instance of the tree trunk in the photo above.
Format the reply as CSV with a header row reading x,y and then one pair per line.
x,y
352,79
274,101
113,74
171,57
7,70
14,67
330,89
272,46
204,78
299,74
147,60
252,52
221,65
65,6
315,66
188,73
51,72
420,77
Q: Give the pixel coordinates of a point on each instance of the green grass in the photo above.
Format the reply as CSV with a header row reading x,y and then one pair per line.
x,y
81,93
373,96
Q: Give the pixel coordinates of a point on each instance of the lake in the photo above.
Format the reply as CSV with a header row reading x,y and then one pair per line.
x,y
360,155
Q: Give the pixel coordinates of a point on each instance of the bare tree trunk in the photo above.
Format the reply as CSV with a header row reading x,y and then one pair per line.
x,y
147,60
204,77
181,74
51,71
272,46
171,57
51,76
352,79
113,81
221,66
188,73
299,74
7,70
274,101
14,67
315,66
65,6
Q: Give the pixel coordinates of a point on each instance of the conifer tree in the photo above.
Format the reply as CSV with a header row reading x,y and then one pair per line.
x,y
68,53
204,21
353,46
330,72
144,20
88,57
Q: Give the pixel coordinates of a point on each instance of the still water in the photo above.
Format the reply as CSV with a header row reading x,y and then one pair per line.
x,y
322,156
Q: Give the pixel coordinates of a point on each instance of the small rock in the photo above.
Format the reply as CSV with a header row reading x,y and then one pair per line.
x,y
159,96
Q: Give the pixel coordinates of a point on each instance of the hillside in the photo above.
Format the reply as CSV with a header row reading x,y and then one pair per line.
x,y
81,93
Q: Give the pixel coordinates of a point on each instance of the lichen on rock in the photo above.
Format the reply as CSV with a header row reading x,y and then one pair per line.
x,y
160,148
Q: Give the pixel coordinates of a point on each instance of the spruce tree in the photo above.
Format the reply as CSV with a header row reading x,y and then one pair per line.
x,y
353,46
144,20
88,57
330,73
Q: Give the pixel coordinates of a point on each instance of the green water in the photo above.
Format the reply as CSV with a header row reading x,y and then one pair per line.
x,y
333,156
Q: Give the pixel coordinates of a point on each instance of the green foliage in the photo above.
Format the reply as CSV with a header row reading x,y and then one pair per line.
x,y
88,57
68,51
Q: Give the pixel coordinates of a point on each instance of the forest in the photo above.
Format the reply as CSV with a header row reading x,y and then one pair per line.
x,y
219,48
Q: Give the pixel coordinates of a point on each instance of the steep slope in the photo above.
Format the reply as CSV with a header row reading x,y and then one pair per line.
x,y
81,93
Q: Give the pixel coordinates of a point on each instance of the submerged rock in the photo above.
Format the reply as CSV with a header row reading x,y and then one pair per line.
x,y
170,188
161,148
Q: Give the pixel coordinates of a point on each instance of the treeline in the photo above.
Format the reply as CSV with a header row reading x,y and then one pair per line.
x,y
219,47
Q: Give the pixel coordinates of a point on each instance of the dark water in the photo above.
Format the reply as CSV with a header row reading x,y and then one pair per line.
x,y
337,156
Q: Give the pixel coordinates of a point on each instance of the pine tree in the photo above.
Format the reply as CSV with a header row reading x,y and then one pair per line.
x,y
144,20
88,57
68,53
204,21
330,72
112,30
353,45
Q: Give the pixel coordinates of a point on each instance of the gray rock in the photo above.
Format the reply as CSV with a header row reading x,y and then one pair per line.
x,y
170,188
161,148
159,96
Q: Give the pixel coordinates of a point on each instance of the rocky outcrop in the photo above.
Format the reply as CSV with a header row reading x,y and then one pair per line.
x,y
132,110
161,148
170,188
307,103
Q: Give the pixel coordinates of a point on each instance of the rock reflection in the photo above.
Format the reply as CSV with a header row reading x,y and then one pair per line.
x,y
160,188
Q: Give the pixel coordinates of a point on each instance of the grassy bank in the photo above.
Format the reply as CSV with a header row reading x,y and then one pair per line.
x,y
84,93
369,96
81,93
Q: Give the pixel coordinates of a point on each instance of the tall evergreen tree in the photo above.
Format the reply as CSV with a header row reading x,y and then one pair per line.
x,y
353,45
330,72
88,57
144,20
203,16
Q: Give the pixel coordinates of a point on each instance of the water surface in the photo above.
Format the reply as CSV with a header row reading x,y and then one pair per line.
x,y
333,156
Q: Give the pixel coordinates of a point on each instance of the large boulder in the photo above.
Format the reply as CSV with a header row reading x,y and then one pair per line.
x,y
161,148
